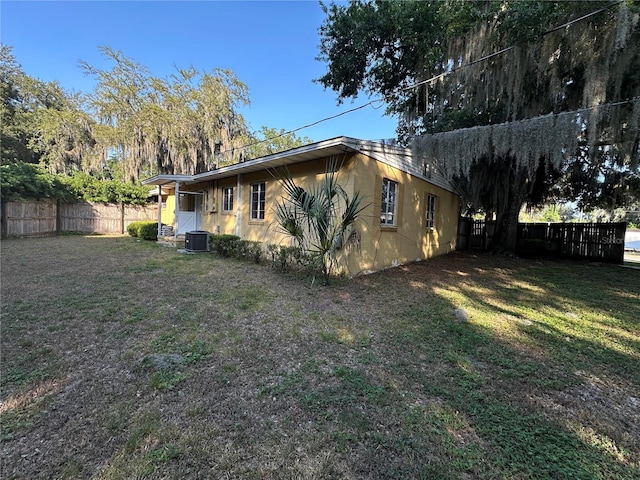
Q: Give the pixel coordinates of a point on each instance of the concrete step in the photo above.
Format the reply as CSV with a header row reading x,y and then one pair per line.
x,y
171,241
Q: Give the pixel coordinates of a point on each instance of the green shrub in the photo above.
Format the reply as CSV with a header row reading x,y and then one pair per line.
x,y
255,251
224,245
145,229
283,257
148,230
233,246
19,180
241,249
132,228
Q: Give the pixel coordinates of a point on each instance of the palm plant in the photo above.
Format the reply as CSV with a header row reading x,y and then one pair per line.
x,y
317,218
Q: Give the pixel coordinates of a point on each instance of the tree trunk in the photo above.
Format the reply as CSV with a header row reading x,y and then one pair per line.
x,y
508,210
506,231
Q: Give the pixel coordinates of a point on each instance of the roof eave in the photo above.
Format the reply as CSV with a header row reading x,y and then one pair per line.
x,y
165,179
287,157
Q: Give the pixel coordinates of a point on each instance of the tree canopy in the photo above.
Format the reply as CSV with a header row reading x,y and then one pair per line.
x,y
41,122
131,125
270,140
24,181
169,124
514,100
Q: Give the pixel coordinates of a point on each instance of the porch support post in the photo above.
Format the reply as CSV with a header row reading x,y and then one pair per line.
x,y
159,210
239,206
177,211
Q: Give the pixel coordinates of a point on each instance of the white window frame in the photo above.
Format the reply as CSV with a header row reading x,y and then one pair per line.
x,y
258,200
388,206
227,199
430,217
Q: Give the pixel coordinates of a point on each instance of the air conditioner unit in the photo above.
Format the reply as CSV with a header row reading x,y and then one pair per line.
x,y
196,241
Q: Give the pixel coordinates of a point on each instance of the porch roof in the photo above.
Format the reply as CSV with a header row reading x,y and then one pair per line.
x,y
165,179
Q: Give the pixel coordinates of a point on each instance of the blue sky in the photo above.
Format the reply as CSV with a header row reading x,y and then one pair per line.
x,y
270,46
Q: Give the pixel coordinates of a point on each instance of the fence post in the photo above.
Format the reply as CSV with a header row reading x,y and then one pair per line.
x,y
122,217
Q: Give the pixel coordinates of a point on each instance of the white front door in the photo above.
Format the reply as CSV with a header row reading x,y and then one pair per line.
x,y
190,212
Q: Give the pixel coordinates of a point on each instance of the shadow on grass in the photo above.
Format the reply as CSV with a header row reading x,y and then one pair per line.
x,y
590,318
369,378
491,376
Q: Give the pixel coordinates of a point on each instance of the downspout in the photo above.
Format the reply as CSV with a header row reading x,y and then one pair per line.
x,y
176,211
239,206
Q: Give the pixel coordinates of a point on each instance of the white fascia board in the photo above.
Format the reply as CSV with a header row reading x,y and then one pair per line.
x,y
287,157
164,179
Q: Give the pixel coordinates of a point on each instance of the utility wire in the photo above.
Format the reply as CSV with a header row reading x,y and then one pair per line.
x,y
308,125
429,80
504,50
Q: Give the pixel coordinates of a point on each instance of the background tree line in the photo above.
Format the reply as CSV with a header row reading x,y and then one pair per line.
x,y
98,145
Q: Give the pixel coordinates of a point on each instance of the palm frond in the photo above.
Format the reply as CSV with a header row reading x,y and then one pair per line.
x,y
317,216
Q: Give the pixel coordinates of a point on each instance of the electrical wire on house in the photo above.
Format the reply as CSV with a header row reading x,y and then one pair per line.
x,y
434,78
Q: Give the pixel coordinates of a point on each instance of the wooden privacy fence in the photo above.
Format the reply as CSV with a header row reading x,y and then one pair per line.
x,y
593,241
48,217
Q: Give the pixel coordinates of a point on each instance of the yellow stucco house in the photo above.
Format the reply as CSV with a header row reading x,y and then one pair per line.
x,y
411,214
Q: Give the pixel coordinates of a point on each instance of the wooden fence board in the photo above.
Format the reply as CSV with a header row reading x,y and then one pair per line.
x,y
38,218
30,219
90,218
594,241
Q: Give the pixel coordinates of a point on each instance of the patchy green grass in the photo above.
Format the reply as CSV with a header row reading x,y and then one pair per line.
x,y
122,359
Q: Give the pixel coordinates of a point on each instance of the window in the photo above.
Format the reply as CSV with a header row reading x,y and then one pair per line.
x,y
388,208
257,200
187,202
227,199
431,212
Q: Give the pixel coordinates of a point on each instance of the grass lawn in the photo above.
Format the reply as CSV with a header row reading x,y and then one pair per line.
x,y
122,359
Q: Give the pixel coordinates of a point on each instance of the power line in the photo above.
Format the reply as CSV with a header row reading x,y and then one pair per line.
x,y
504,50
486,57
308,125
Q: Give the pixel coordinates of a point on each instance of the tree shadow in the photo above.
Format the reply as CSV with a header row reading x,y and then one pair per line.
x,y
524,385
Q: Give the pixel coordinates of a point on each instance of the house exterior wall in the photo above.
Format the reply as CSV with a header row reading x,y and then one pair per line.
x,y
167,214
224,222
409,239
378,247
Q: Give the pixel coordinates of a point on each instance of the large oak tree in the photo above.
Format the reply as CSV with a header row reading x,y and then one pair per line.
x,y
40,121
132,124
512,100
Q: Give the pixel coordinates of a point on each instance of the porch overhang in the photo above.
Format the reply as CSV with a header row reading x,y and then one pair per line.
x,y
165,179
